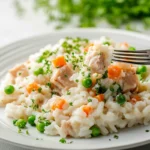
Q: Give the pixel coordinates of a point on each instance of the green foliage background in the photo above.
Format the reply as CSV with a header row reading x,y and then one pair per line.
x,y
92,12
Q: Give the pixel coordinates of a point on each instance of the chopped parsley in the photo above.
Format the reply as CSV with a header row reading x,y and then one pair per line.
x,y
62,140
105,75
70,142
41,119
100,89
82,73
66,76
53,93
39,139
47,65
34,106
71,104
119,90
45,55
47,122
40,90
77,80
43,110
146,130
48,84
116,136
27,132
77,39
19,130
68,92
89,100
111,88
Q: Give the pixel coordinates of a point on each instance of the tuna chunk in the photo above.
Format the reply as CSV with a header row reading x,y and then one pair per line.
x,y
130,81
98,58
95,61
67,128
61,78
22,69
5,99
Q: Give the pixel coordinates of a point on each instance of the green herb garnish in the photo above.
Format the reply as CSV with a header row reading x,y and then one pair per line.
x,y
116,137
132,48
40,90
89,100
146,130
71,104
62,140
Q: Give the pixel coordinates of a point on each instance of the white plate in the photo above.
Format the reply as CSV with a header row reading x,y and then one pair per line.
x,y
19,51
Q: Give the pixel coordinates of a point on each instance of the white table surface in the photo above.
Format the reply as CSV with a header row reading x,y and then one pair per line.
x,y
13,28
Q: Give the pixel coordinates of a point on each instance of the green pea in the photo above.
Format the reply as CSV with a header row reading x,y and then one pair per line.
x,y
120,98
132,48
141,69
46,54
21,123
31,120
40,126
14,122
9,89
106,43
40,59
87,82
38,71
95,131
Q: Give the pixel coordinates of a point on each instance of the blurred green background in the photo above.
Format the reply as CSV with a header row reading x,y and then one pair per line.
x,y
91,13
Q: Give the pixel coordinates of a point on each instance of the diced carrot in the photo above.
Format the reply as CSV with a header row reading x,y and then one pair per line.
x,y
87,109
87,48
114,71
135,98
58,104
125,44
59,61
100,97
32,86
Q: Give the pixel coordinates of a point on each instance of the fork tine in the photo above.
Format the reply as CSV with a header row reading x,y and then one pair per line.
x,y
140,62
128,51
131,57
131,54
140,57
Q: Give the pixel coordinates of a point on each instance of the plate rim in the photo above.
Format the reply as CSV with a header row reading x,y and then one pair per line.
x,y
116,31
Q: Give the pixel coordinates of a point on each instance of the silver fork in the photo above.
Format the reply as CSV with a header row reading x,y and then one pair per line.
x,y
139,57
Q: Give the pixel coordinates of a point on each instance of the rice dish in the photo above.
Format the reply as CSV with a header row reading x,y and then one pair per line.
x,y
73,89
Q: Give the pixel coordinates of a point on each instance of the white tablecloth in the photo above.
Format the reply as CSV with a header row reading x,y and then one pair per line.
x,y
13,28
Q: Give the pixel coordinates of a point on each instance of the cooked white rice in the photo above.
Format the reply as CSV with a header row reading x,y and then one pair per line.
x,y
70,118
